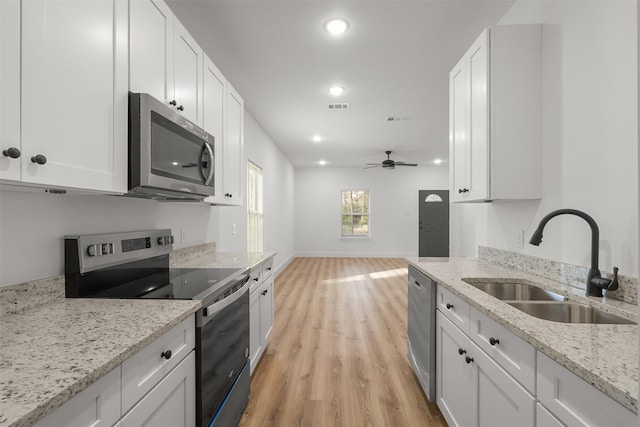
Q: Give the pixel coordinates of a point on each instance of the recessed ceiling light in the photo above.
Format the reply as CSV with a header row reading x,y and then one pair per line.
x,y
322,162
316,138
336,90
336,26
174,163
437,161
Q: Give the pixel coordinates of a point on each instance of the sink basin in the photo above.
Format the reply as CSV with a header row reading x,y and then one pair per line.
x,y
511,290
567,312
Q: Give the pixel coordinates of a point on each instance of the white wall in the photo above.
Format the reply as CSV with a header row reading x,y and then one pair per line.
x,y
32,227
394,209
278,178
590,147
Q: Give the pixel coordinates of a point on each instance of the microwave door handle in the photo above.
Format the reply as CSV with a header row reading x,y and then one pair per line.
x,y
200,162
209,178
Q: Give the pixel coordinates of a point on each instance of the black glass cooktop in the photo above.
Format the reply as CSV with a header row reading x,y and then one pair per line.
x,y
151,278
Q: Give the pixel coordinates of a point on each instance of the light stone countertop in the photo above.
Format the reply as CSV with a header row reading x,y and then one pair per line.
x,y
605,356
50,353
52,348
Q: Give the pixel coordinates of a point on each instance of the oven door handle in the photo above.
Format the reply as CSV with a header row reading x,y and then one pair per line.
x,y
216,307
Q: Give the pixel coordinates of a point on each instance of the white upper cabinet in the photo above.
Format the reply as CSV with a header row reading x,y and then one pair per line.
x,y
495,116
213,113
232,151
188,66
151,48
166,61
66,95
10,145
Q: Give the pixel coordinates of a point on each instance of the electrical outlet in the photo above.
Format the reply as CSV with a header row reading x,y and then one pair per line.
x,y
184,236
520,240
233,229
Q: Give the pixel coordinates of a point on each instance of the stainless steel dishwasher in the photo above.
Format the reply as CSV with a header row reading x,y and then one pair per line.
x,y
421,330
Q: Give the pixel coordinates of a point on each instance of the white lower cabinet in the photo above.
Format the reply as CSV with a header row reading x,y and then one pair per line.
x,y
260,311
171,402
574,402
471,389
155,387
544,418
96,406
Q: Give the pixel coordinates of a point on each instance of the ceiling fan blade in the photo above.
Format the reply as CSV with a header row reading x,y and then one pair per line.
x,y
372,164
406,164
369,167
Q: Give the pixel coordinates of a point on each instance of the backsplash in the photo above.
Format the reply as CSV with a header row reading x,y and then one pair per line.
x,y
569,274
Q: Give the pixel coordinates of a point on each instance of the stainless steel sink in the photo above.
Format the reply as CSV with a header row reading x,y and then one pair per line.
x,y
512,290
567,312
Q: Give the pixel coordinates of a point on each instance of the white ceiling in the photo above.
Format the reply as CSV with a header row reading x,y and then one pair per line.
x,y
393,61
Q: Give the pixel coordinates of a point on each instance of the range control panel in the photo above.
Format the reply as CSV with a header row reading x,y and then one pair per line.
x,y
96,251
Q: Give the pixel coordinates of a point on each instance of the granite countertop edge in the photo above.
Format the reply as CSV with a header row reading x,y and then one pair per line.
x,y
449,272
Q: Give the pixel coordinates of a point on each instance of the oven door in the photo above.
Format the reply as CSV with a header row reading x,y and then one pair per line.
x,y
222,337
166,151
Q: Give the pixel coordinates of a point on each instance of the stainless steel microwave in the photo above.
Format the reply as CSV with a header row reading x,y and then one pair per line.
x,y
170,158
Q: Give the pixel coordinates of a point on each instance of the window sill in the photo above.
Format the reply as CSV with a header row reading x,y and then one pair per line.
x,y
355,237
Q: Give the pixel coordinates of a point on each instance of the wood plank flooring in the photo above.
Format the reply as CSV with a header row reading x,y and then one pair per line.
x,y
338,349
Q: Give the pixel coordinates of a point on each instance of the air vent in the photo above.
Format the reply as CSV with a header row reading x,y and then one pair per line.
x,y
341,106
397,118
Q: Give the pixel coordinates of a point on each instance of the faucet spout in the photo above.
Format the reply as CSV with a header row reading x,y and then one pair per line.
x,y
595,282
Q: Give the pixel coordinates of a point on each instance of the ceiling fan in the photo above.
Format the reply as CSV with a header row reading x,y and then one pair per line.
x,y
388,164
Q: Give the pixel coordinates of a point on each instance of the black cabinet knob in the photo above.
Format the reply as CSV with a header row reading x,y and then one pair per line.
x,y
39,159
173,102
166,354
465,190
181,108
12,152
264,293
449,306
255,279
459,190
493,341
468,359
461,351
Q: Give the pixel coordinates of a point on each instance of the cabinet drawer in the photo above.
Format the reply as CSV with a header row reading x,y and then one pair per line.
x,y
171,403
511,352
574,401
454,308
256,278
267,268
97,406
142,371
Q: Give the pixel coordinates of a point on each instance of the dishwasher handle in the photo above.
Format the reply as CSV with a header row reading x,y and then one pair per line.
x,y
218,306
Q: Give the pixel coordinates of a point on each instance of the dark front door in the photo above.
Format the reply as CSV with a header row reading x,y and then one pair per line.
x,y
433,216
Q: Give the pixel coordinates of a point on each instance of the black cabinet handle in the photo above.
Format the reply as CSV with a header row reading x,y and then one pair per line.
x,y
173,102
181,108
459,190
39,159
468,359
166,354
494,341
12,152
255,279
449,306
461,351
264,293
463,190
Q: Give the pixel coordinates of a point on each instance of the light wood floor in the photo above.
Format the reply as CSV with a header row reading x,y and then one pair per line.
x,y
338,351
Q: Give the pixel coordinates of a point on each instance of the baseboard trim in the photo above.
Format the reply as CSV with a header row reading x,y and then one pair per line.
x,y
284,264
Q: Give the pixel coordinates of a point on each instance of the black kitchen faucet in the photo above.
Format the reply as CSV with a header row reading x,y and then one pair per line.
x,y
595,282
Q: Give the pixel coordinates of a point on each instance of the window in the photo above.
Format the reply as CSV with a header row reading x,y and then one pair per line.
x,y
254,208
355,213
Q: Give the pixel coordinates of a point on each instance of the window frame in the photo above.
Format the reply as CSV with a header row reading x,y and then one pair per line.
x,y
258,213
367,214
